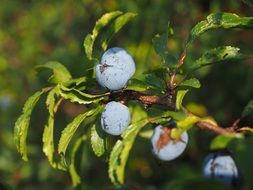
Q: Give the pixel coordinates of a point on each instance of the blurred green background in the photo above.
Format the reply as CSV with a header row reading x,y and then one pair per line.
x,y
34,32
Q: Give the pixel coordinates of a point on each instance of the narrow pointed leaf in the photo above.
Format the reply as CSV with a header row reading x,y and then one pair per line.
x,y
120,152
60,72
115,27
100,24
73,83
75,161
22,124
115,163
98,139
48,141
71,128
180,97
216,55
160,45
219,20
75,95
50,101
48,133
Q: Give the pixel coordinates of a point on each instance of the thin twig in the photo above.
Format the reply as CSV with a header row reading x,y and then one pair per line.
x,y
172,82
150,100
215,128
245,129
146,99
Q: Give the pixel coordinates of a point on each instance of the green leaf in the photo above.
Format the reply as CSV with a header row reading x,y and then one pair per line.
x,y
193,82
160,45
188,122
180,97
75,161
242,153
48,141
120,152
48,133
137,110
115,164
146,134
176,132
98,139
121,149
50,101
63,88
60,72
161,49
219,20
248,110
71,128
216,55
100,24
155,82
163,114
115,27
221,141
22,124
73,83
75,95
137,85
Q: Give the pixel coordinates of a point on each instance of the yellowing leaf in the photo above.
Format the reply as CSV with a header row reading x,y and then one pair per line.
x,y
188,122
180,97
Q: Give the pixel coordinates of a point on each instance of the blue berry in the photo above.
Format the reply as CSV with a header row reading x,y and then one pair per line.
x,y
115,118
115,69
222,167
166,148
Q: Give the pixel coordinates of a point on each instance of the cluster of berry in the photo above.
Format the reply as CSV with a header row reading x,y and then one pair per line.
x,y
113,72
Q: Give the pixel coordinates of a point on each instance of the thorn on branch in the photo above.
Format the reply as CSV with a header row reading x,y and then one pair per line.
x,y
183,56
235,124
